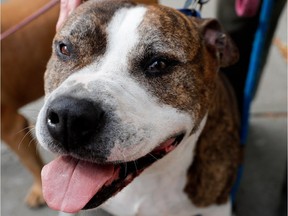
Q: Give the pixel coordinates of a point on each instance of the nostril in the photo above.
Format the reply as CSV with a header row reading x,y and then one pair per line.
x,y
53,118
56,123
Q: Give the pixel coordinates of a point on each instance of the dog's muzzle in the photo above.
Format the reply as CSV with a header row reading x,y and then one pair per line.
x,y
105,136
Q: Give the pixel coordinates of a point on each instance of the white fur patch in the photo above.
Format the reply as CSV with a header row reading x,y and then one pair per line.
x,y
159,189
123,35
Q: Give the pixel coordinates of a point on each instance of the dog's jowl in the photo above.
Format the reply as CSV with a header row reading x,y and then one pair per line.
x,y
138,113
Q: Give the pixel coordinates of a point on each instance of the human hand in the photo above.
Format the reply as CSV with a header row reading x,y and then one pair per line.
x,y
66,8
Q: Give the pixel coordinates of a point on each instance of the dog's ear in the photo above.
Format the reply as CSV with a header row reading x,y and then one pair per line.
x,y
213,171
217,154
218,43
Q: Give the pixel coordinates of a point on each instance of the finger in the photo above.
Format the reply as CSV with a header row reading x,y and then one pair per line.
x,y
72,5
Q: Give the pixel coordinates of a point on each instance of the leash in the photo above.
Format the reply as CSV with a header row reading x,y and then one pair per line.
x,y
254,65
28,19
190,7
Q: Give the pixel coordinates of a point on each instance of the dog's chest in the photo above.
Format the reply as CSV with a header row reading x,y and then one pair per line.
x,y
159,189
156,190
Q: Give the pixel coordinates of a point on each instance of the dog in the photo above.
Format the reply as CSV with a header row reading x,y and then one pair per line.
x,y
139,114
24,57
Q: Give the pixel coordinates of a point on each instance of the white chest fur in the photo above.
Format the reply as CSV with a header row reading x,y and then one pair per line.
x,y
159,189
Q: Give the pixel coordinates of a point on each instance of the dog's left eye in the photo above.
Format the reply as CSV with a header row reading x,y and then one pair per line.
x,y
159,66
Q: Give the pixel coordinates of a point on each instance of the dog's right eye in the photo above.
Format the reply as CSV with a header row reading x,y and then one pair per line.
x,y
63,48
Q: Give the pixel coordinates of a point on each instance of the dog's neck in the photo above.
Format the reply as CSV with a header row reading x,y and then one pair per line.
x,y
158,184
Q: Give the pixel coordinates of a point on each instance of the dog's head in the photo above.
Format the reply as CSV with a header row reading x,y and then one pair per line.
x,y
126,84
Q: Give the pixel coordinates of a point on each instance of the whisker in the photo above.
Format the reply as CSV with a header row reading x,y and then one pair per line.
x,y
33,138
135,164
156,159
28,127
125,163
125,167
27,134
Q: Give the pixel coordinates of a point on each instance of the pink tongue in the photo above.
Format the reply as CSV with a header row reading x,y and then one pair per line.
x,y
69,184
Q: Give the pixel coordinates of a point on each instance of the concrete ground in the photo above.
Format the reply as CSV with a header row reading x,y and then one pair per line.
x,y
261,189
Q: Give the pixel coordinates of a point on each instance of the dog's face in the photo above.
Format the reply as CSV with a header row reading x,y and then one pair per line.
x,y
127,83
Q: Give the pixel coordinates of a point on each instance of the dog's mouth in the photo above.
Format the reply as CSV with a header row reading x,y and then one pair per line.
x,y
70,184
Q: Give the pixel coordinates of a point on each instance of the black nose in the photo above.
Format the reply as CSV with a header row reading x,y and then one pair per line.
x,y
73,122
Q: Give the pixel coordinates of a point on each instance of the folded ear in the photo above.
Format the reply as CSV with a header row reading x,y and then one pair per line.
x,y
218,153
213,171
218,42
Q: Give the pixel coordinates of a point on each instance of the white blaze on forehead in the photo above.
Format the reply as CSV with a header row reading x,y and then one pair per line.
x,y
123,35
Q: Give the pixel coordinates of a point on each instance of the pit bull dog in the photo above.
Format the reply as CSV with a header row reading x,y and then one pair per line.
x,y
139,114
23,62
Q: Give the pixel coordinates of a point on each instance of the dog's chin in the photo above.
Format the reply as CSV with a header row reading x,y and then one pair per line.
x,y
125,172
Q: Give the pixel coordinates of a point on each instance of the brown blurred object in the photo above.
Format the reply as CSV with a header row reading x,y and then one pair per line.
x,y
24,55
283,49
